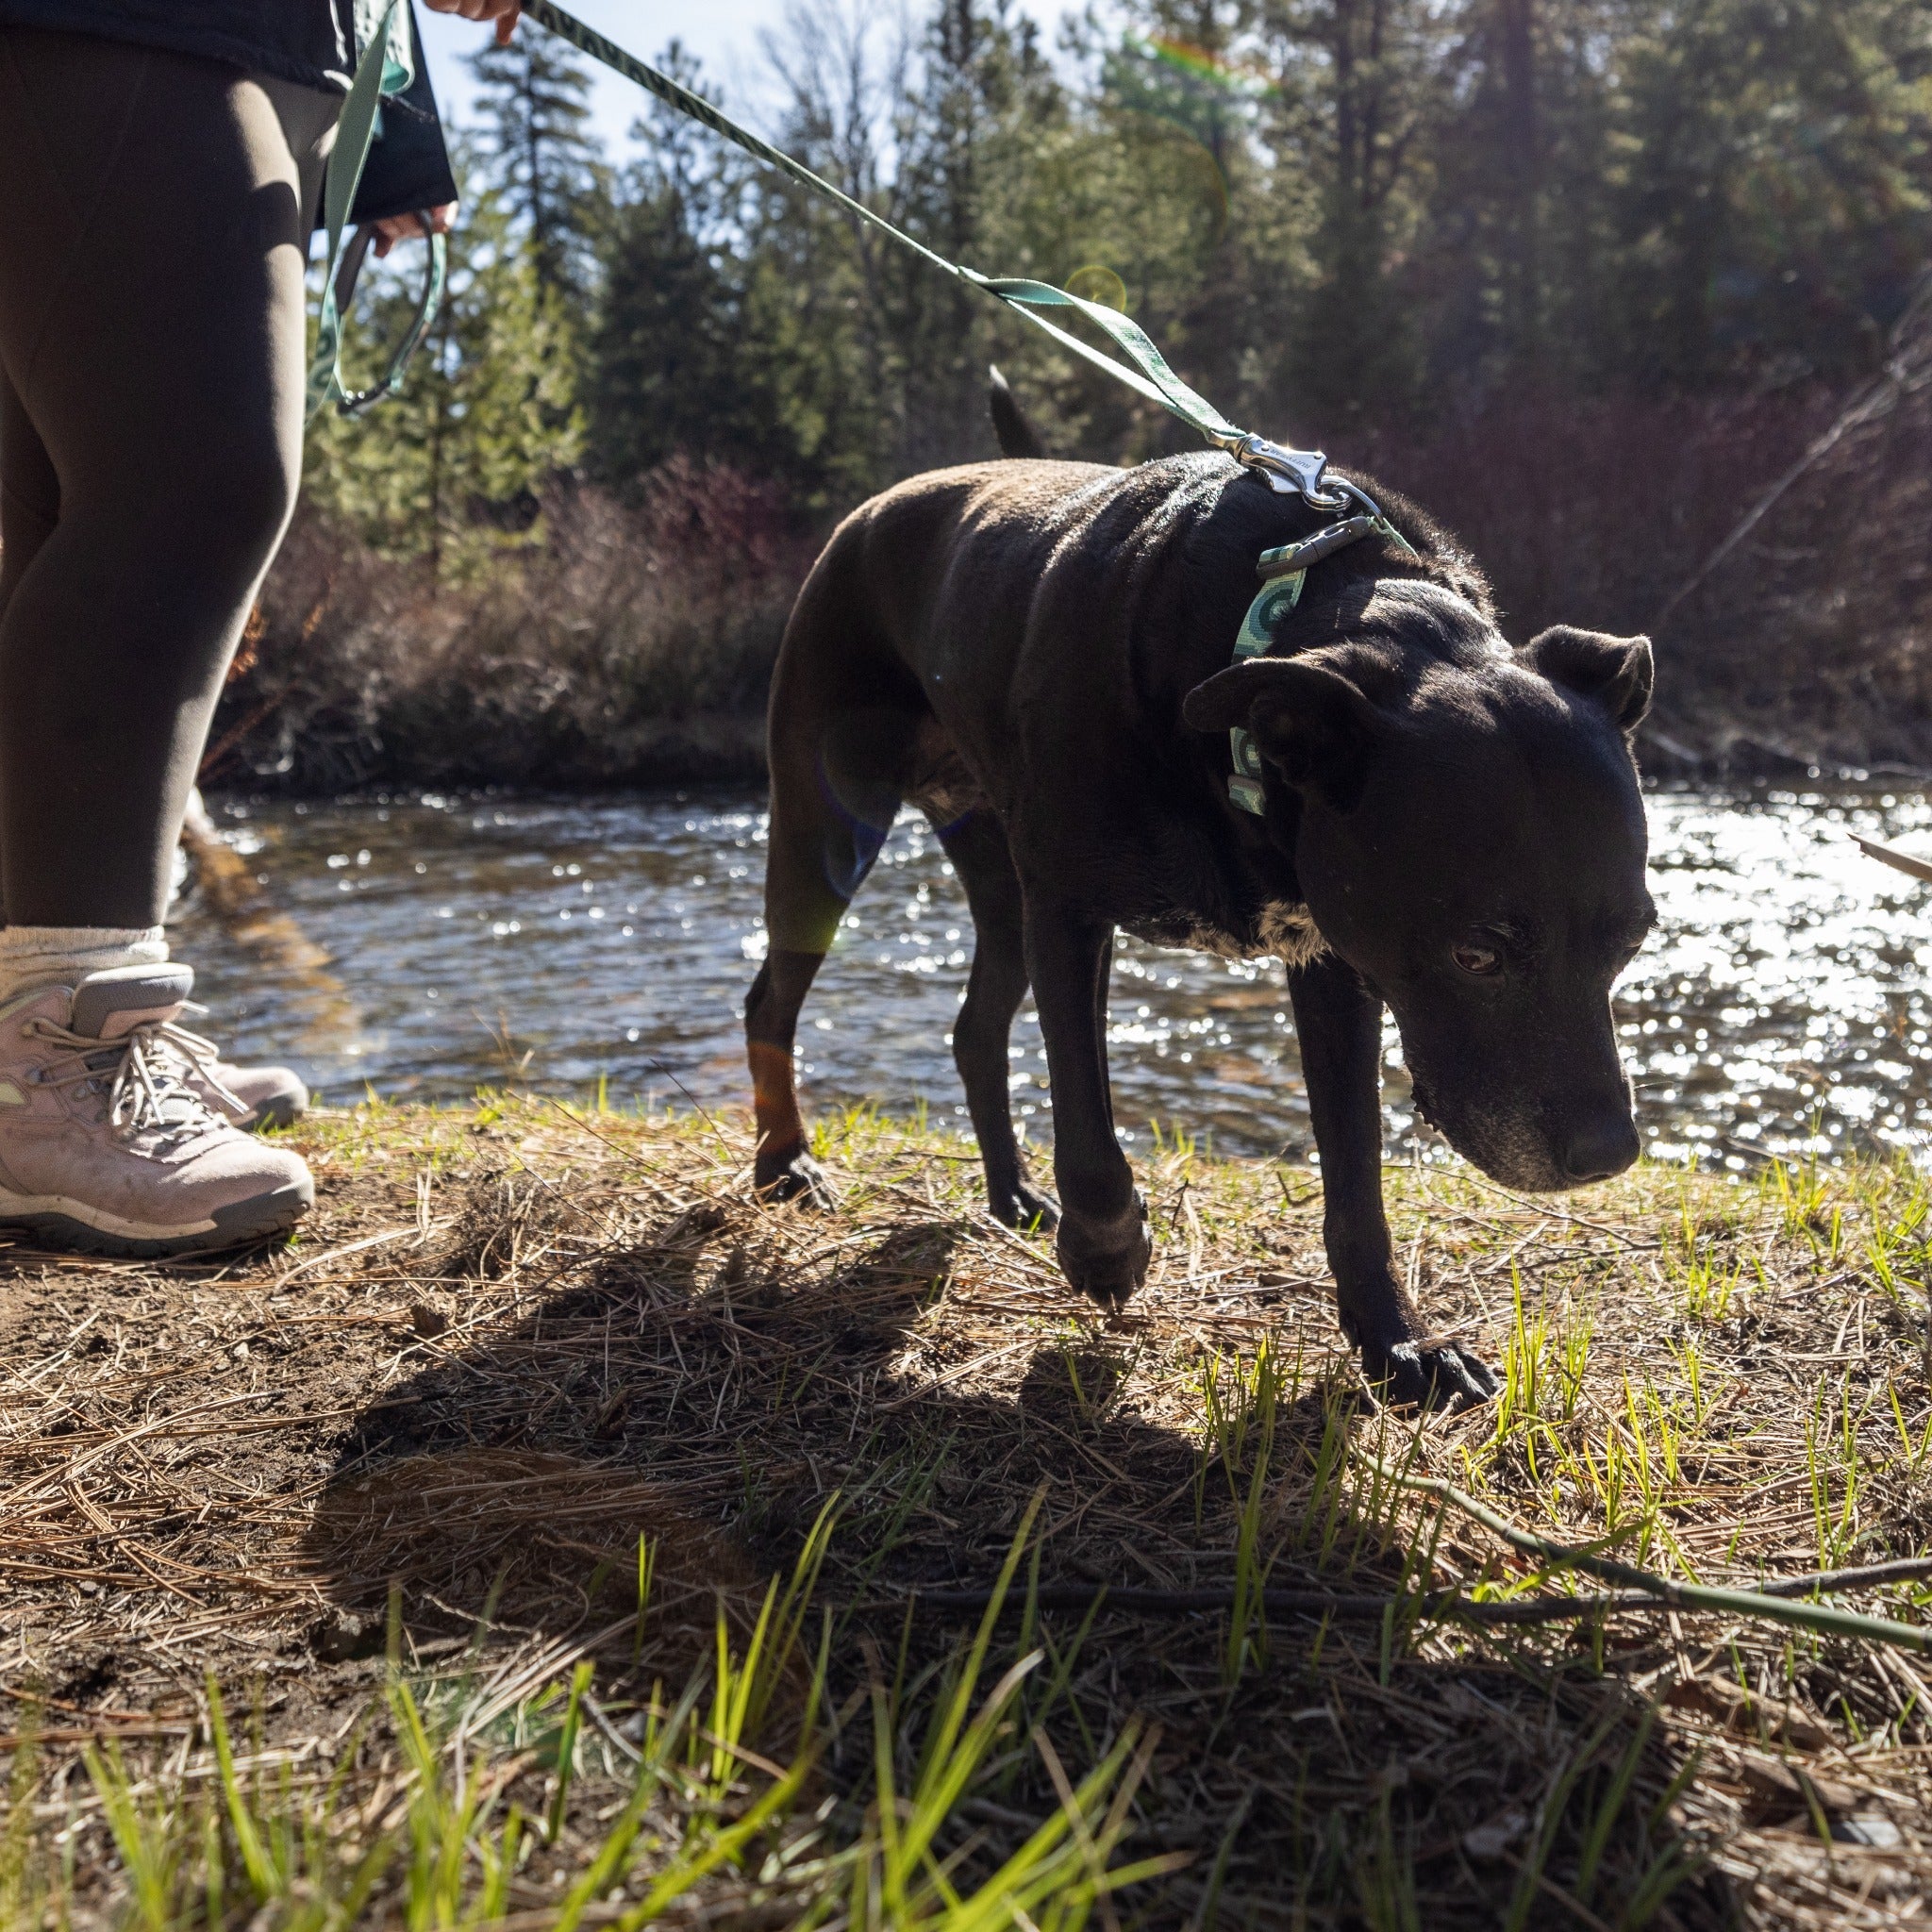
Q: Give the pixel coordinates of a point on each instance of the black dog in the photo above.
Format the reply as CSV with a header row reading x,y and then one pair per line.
x,y
1037,655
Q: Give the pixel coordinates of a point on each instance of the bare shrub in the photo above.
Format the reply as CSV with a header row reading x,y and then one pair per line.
x,y
1810,645
627,645
1591,510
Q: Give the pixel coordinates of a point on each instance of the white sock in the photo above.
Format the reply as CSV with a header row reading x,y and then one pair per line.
x,y
35,956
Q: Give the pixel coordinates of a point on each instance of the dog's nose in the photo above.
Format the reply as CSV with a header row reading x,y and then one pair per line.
x,y
1597,1149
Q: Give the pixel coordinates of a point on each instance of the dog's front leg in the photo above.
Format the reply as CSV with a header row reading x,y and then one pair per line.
x,y
1104,1244
1339,1024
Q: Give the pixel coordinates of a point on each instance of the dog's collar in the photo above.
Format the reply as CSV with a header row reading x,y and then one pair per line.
x,y
1283,573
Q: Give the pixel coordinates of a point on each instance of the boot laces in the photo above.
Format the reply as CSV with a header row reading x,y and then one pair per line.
x,y
201,1053
142,1074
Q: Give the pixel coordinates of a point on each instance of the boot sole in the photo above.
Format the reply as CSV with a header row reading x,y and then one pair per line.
x,y
73,1225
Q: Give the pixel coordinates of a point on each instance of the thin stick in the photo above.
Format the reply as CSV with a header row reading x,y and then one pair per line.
x,y
1873,401
1450,1604
1823,1619
1274,1603
1902,1569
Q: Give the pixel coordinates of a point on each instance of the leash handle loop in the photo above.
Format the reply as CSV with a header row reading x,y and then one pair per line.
x,y
376,74
355,136
435,278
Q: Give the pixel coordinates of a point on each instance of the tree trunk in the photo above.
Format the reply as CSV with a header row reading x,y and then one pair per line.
x,y
1522,185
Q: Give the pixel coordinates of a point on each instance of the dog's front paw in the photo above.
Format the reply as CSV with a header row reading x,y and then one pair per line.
x,y
1107,1260
794,1177
1031,1209
1429,1375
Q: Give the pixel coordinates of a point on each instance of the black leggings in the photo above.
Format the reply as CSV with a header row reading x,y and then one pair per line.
x,y
154,224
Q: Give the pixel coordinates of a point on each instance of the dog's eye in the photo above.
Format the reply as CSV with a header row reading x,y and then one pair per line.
x,y
1476,957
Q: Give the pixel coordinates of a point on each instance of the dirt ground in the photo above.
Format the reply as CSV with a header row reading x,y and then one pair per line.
x,y
420,1446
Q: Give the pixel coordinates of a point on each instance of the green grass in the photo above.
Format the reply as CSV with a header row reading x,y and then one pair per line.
x,y
649,1515
223,1839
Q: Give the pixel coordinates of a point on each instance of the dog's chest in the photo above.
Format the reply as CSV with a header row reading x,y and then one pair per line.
x,y
1279,930
939,781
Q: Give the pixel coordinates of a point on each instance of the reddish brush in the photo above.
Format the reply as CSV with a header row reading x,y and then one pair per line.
x,y
624,645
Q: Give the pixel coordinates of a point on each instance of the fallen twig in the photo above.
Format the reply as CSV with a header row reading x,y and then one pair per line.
x,y
1274,1603
1825,1619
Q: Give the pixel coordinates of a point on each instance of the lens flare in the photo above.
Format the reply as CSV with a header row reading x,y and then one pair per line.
x,y
1203,69
1098,283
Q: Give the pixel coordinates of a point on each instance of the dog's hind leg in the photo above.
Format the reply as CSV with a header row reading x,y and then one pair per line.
x,y
783,1169
835,787
1104,1243
976,844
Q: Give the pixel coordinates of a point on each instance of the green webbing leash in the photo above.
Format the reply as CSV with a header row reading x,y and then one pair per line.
x,y
1288,471
355,136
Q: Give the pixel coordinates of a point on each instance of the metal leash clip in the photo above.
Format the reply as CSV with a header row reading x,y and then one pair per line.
x,y
349,271
1288,471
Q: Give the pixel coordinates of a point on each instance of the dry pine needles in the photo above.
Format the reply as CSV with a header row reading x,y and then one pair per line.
x,y
468,1504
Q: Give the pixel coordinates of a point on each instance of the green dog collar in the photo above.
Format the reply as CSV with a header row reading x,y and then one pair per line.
x,y
1278,596
1283,573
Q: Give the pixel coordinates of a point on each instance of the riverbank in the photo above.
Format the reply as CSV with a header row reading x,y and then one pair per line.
x,y
618,644
389,1489
429,946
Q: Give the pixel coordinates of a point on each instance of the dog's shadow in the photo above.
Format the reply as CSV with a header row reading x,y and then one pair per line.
x,y
705,1393
690,1396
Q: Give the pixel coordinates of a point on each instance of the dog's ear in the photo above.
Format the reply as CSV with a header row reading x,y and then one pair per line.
x,y
1310,715
1614,672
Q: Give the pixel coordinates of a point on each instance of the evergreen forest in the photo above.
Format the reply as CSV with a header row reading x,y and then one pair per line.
x,y
1585,277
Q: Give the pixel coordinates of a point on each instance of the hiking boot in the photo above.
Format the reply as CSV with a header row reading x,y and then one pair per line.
x,y
104,1143
251,1097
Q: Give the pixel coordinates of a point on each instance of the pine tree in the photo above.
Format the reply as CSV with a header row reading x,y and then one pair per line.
x,y
1361,86
449,469
672,364
979,93
1192,71
1325,210
1773,199
545,161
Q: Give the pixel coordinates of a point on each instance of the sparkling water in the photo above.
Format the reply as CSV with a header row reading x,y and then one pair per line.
x,y
1780,1006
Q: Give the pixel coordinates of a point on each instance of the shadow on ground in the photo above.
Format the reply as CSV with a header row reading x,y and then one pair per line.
x,y
711,1387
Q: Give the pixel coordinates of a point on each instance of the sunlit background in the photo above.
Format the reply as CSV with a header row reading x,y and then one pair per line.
x,y
724,34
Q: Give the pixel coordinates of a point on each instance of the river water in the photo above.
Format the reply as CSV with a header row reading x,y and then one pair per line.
x,y
1781,1006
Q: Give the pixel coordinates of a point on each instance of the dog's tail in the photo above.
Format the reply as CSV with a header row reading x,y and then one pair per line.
x,y
1016,435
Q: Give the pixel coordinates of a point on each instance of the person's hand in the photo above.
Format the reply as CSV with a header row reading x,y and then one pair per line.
x,y
503,12
391,229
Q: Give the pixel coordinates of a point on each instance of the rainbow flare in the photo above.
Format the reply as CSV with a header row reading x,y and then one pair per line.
x,y
1199,66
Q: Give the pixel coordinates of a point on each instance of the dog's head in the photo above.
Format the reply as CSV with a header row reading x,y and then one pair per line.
x,y
1467,828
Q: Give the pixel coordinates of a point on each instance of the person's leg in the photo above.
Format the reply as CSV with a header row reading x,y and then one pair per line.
x,y
152,246
29,495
